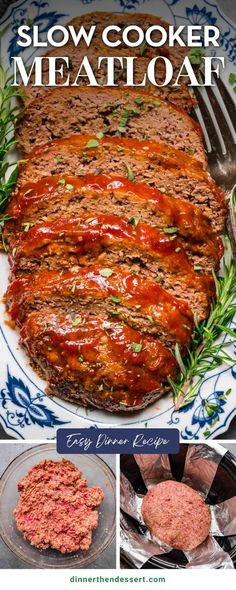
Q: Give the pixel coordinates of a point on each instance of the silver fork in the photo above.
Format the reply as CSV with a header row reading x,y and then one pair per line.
x,y
220,142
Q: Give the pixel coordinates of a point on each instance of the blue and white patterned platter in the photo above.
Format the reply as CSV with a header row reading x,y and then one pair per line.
x,y
26,412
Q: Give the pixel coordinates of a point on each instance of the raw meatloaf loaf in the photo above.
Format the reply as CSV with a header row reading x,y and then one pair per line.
x,y
111,112
177,515
56,508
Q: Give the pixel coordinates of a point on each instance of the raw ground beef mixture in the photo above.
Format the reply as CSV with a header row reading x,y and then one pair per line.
x,y
176,514
56,508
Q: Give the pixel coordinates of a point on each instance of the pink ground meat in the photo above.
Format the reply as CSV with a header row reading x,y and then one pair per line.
x,y
176,514
56,508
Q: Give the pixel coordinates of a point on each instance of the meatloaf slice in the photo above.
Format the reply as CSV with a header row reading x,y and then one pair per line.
x,y
109,240
101,363
144,20
144,53
177,95
165,168
49,198
104,292
113,110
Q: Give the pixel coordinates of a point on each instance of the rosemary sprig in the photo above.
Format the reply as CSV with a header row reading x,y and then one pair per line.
x,y
206,353
9,113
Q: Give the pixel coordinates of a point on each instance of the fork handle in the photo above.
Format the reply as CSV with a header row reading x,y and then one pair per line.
x,y
231,222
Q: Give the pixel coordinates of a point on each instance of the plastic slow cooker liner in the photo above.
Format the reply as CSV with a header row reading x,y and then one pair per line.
x,y
210,470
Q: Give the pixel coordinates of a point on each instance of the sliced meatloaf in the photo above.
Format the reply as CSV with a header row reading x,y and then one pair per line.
x,y
54,195
97,48
110,240
144,20
104,293
170,170
178,95
112,111
101,363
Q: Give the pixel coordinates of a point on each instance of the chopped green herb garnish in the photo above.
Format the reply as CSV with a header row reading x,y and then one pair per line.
x,y
77,321
195,55
61,181
191,151
117,75
100,135
115,299
206,433
92,143
115,113
106,272
134,220
126,115
150,318
136,346
197,267
81,358
130,174
143,47
169,230
232,78
139,100
26,226
69,187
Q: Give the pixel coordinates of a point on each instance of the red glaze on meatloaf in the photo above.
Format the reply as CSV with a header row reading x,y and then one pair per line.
x,y
99,362
51,196
177,515
125,112
148,162
143,304
110,240
56,508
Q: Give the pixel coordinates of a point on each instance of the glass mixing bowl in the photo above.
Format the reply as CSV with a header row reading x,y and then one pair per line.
x,y
95,471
